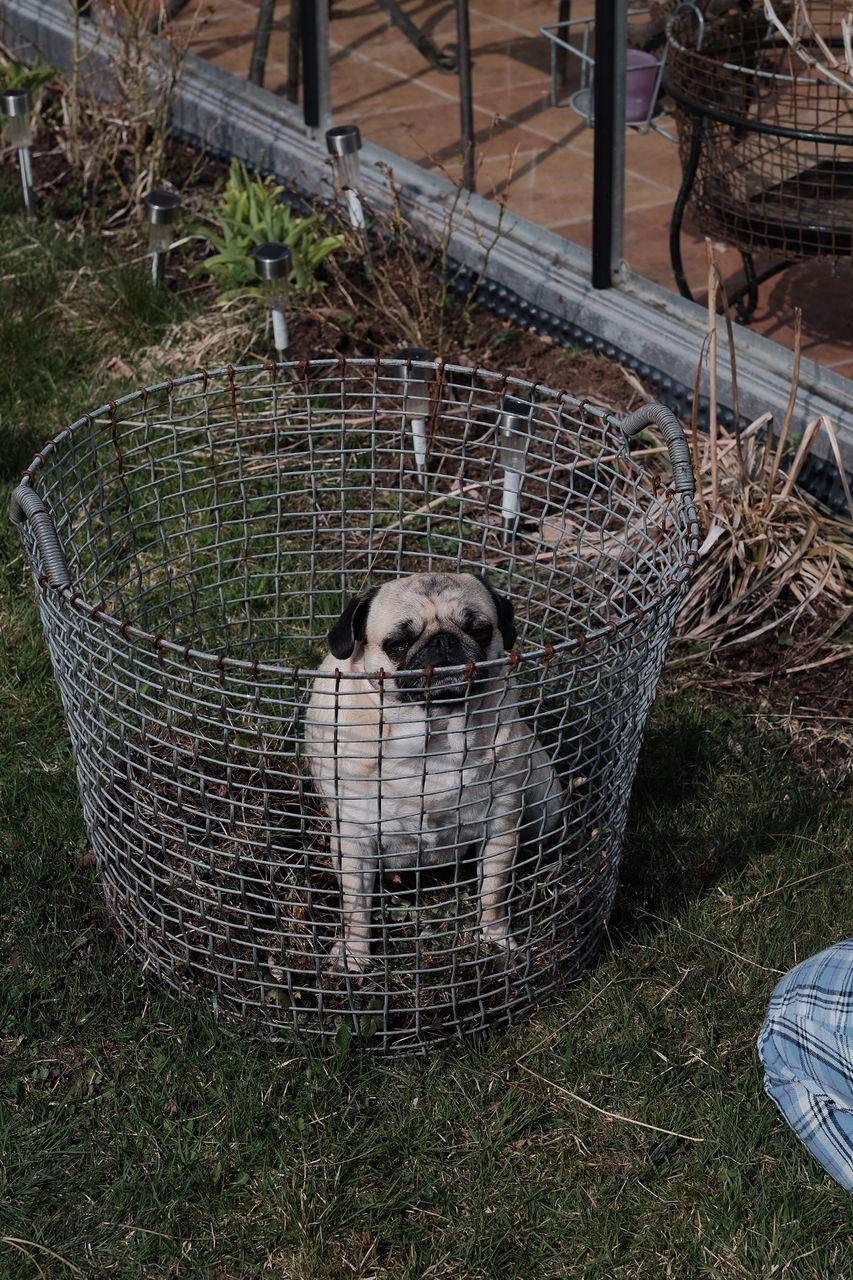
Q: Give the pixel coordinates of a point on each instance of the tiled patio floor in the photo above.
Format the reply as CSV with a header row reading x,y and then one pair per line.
x,y
537,155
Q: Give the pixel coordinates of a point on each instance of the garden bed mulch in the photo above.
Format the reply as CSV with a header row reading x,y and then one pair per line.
x,y
792,676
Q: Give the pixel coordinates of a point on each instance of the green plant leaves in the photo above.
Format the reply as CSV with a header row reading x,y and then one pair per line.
x,y
250,213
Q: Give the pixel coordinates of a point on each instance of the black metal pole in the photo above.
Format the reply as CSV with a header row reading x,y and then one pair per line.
x,y
293,53
608,181
466,108
314,26
564,15
261,45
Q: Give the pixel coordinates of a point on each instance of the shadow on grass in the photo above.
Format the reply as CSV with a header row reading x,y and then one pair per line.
x,y
713,794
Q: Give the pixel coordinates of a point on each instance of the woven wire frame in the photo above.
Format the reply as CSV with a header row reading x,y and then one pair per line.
x,y
775,168
213,528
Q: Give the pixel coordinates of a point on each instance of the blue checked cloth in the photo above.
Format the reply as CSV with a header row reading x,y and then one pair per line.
x,y
806,1045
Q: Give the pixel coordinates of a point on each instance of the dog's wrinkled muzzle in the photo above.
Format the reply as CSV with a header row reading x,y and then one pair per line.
x,y
429,683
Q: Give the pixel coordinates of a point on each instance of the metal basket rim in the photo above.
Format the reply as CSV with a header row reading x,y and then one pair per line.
x,y
755,73
221,662
274,367
253,667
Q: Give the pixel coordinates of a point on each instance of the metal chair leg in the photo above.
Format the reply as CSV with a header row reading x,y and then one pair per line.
x,y
261,45
294,52
679,207
745,300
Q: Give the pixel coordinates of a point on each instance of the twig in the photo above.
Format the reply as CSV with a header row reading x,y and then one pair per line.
x,y
694,435
730,343
23,1246
810,666
842,471
701,938
800,456
789,408
791,884
713,429
611,1115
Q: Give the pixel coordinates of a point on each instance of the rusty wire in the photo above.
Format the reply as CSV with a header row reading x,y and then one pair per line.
x,y
212,527
770,136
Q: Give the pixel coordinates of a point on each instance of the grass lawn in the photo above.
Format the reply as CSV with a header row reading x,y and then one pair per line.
x,y
622,1134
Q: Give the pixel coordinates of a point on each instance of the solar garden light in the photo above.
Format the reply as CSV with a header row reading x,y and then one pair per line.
x,y
513,435
161,212
18,105
415,398
344,144
272,266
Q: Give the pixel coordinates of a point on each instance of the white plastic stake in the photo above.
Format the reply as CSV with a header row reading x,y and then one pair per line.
x,y
415,400
513,433
419,443
279,329
356,209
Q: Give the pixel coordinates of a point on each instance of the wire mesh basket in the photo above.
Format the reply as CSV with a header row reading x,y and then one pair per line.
x,y
766,140
193,543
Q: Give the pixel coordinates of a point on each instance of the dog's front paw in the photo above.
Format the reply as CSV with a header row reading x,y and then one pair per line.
x,y
496,932
349,958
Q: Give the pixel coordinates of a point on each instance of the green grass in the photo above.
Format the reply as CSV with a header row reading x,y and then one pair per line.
x,y
67,305
139,1139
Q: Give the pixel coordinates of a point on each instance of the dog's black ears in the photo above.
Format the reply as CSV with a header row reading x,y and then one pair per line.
x,y
350,628
506,614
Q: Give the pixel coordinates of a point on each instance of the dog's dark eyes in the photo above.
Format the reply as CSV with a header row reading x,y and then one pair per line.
x,y
400,640
396,646
481,632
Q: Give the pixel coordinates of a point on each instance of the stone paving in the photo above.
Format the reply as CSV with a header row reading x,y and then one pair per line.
x,y
535,155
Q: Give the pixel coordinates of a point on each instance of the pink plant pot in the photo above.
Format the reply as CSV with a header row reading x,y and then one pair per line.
x,y
641,73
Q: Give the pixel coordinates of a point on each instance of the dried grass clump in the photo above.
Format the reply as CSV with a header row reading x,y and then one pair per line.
x,y
817,42
772,559
194,343
120,140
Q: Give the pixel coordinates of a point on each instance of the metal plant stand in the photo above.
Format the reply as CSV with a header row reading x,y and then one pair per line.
x,y
191,544
766,145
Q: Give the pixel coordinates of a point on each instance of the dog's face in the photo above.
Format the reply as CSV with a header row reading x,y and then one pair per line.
x,y
420,624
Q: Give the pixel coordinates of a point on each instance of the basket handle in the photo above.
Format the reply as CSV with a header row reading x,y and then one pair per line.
x,y
26,507
679,450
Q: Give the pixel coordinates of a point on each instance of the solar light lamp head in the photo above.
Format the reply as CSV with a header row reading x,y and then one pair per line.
x,y
416,381
514,432
161,213
273,264
344,145
18,106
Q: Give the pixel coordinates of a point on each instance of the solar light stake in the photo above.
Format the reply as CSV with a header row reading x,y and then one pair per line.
x,y
18,105
416,399
161,212
272,266
344,144
513,434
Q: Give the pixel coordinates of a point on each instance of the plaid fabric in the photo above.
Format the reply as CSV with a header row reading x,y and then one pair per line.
x,y
806,1045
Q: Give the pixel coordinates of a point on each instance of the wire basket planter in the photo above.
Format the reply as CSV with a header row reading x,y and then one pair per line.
x,y
192,545
766,139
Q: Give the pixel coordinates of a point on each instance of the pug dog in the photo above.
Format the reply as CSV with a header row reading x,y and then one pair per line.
x,y
419,751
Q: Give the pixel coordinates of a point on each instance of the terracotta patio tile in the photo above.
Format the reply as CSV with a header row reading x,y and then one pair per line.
x,y
429,138
845,368
381,82
554,188
372,35
212,40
